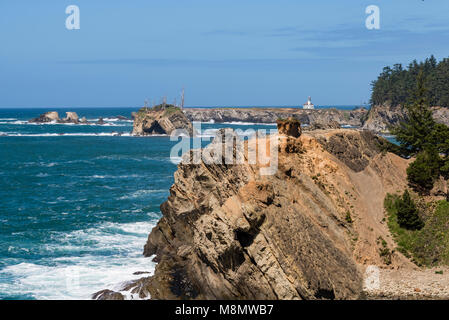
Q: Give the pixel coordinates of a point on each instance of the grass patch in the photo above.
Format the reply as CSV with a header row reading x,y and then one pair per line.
x,y
428,246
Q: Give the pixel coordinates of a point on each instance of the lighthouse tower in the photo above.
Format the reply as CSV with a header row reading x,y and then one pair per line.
x,y
309,105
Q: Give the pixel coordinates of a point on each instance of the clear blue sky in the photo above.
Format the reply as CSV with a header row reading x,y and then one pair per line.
x,y
232,52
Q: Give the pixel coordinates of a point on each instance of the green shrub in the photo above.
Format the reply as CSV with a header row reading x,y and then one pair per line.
x,y
422,173
428,246
407,213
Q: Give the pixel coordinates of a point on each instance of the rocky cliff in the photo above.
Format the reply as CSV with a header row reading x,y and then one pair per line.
x,y
381,118
306,232
270,115
160,120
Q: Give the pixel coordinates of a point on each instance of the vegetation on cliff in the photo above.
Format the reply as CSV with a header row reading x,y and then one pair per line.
x,y
427,246
161,119
422,234
396,84
419,135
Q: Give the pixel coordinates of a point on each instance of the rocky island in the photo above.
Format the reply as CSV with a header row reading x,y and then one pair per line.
x,y
53,116
161,119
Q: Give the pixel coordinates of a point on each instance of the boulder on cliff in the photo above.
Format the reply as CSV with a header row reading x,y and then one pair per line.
x,y
289,127
323,126
161,119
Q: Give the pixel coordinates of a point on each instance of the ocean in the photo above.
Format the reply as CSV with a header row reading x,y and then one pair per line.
x,y
77,202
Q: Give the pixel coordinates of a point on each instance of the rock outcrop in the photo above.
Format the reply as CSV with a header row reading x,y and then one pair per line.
x,y
71,117
289,127
382,118
270,115
50,116
53,116
161,120
228,232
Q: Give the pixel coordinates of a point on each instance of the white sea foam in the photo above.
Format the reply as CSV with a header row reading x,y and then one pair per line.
x,y
106,124
113,177
79,276
78,134
240,123
42,175
140,194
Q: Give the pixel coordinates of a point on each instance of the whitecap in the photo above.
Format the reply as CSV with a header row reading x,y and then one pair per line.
x,y
78,277
140,193
42,175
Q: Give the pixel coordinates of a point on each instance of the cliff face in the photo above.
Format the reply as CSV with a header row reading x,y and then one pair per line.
x,y
267,115
305,232
381,118
160,120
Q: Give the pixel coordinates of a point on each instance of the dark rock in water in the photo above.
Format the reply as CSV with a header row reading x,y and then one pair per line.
x,y
140,287
137,273
101,121
107,295
289,127
83,120
46,117
122,118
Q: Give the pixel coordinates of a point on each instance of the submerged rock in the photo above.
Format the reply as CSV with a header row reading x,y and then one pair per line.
x,y
100,121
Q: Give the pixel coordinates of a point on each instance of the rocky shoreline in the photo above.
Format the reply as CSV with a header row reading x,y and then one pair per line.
x,y
270,115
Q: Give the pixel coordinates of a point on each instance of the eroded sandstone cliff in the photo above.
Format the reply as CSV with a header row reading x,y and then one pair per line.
x,y
306,232
160,120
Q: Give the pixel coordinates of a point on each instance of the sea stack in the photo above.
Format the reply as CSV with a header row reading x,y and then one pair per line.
x,y
161,119
46,117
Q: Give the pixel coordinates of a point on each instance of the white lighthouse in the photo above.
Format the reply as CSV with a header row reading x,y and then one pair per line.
x,y
309,105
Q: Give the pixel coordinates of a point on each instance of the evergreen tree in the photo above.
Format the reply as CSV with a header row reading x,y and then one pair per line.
x,y
422,173
394,84
407,213
415,133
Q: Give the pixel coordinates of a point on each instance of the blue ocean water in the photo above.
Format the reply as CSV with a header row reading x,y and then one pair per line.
x,y
77,202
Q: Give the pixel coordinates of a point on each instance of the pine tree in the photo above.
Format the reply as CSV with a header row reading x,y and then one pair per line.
x,y
407,213
415,133
422,173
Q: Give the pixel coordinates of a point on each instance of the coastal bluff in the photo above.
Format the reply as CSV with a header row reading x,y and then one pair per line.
x,y
160,120
381,118
270,115
228,232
